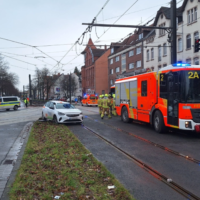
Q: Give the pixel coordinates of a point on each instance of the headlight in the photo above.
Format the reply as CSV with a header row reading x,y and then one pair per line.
x,y
81,113
61,113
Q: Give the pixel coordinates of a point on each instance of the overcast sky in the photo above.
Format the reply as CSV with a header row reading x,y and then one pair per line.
x,y
50,22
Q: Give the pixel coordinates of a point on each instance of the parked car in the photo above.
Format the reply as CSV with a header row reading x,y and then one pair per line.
x,y
61,112
72,99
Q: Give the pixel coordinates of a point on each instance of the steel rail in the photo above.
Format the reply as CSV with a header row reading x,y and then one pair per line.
x,y
150,142
156,174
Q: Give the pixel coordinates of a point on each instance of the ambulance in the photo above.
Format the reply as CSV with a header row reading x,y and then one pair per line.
x,y
167,98
89,100
9,102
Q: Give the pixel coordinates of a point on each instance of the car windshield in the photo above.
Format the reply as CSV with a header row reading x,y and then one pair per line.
x,y
64,106
192,90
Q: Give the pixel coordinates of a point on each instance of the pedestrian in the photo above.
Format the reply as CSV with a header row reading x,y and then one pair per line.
x,y
113,106
26,102
99,104
105,107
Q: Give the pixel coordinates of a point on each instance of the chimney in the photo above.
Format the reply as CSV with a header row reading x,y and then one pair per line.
x,y
105,47
58,74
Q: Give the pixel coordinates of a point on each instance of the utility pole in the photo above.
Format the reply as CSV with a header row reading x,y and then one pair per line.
x,y
70,89
30,95
23,91
174,28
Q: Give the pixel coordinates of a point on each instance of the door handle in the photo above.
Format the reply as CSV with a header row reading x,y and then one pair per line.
x,y
141,105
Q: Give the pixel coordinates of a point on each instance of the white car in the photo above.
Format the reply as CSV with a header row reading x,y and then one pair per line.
x,y
61,112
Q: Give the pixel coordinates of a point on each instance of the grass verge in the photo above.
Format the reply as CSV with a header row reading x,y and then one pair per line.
x,y
55,163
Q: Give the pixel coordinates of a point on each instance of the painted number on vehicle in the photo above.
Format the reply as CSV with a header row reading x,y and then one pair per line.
x,y
162,77
192,75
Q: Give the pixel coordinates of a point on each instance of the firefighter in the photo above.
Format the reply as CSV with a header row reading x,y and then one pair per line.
x,y
26,102
99,104
105,107
110,104
113,106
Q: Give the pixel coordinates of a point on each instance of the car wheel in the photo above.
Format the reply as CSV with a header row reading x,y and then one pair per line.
x,y
15,107
81,104
158,122
8,109
124,115
55,119
43,117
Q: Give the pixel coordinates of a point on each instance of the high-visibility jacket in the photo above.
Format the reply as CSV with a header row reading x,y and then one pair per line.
x,y
105,103
99,102
25,101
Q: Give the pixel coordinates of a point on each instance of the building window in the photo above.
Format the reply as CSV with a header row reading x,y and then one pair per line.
x,y
196,35
195,14
159,53
188,42
188,60
192,15
165,65
138,63
164,49
162,31
147,55
138,50
159,67
140,36
152,54
111,71
123,61
112,50
130,53
117,70
152,69
111,61
144,88
180,45
111,82
117,59
196,61
131,66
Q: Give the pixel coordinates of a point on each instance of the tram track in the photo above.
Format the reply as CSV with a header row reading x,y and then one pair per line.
x,y
168,181
148,141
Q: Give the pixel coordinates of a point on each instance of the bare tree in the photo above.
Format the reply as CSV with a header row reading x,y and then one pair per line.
x,y
7,80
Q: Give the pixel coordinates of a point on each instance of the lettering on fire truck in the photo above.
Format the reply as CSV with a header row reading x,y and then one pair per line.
x,y
167,98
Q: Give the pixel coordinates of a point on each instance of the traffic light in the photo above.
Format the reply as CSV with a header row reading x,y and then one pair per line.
x,y
197,45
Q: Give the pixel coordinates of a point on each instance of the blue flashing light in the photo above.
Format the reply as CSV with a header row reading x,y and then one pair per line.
x,y
181,65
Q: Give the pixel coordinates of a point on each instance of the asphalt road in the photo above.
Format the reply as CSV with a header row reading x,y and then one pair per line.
x,y
140,183
13,126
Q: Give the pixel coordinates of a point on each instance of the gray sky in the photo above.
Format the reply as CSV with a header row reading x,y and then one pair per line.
x,y
49,22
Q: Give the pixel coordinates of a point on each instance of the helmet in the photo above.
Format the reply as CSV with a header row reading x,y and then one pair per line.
x,y
102,95
99,96
106,95
113,95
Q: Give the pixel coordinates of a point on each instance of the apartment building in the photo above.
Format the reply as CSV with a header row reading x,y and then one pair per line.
x,y
158,51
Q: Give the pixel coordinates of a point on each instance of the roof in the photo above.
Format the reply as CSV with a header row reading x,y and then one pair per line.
x,y
167,12
98,52
89,44
153,32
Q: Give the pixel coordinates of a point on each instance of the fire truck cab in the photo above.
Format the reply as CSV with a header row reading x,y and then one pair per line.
x,y
89,100
167,98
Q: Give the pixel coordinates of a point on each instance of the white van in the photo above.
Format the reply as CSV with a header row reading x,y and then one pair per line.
x,y
9,102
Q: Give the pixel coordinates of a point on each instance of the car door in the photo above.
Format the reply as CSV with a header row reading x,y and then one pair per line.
x,y
46,109
51,110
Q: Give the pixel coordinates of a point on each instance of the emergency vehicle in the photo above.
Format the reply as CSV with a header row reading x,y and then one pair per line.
x,y
89,100
10,102
167,98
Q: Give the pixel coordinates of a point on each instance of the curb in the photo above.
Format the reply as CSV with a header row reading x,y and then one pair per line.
x,y
24,135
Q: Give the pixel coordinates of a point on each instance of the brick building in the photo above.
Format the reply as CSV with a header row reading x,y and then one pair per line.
x,y
126,56
95,71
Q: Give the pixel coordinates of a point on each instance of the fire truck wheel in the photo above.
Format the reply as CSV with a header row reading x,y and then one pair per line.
x,y
86,104
124,115
158,122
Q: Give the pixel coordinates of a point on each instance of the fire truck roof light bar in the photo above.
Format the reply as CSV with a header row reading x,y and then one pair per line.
x,y
127,80
181,65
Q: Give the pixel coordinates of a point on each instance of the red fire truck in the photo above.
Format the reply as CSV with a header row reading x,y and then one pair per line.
x,y
167,98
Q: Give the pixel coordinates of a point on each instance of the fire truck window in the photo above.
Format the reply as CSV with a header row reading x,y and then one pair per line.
x,y
144,88
92,97
163,86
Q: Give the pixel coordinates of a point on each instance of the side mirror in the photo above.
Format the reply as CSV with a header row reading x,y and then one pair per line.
x,y
51,108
